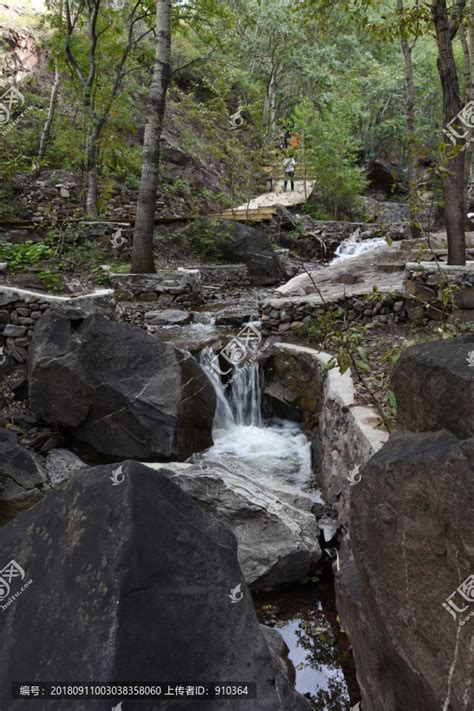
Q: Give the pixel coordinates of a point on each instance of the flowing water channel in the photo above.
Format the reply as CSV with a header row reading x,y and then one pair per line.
x,y
278,449
353,246
304,613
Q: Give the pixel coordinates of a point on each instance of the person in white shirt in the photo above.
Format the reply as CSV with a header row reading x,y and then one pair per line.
x,y
289,165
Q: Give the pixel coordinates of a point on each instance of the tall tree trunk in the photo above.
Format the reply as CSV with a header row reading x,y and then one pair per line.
x,y
453,183
269,111
142,251
91,171
466,67
411,137
469,75
53,99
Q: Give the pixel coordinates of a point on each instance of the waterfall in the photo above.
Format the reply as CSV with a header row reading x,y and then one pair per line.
x,y
241,402
278,450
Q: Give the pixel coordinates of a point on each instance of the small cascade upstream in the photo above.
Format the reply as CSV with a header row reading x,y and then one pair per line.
x,y
353,246
278,449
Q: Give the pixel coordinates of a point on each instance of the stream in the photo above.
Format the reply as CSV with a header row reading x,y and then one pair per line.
x,y
304,613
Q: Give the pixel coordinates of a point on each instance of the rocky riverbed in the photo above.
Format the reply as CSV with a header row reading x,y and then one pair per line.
x,y
254,469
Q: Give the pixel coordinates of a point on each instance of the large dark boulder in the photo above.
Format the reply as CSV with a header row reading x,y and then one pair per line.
x,y
434,387
124,392
22,478
411,538
386,176
130,583
251,246
238,243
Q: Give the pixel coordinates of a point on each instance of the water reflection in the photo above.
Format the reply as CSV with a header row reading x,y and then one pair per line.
x,y
306,618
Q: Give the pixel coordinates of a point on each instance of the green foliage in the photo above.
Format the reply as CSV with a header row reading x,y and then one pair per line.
x,y
331,148
22,256
178,186
209,238
50,280
348,343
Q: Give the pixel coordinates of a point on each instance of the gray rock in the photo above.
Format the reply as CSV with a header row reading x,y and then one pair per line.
x,y
235,319
274,525
242,244
412,539
434,387
168,317
152,574
22,479
124,392
61,464
12,331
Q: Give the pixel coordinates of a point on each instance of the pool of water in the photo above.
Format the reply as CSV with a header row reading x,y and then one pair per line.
x,y
306,617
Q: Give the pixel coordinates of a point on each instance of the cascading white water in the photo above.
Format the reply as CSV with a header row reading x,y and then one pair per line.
x,y
354,246
278,450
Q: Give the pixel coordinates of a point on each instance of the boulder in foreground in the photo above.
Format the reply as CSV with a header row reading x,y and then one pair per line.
x,y
434,387
131,583
407,597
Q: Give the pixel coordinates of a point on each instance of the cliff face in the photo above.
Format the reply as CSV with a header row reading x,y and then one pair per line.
x,y
405,586
20,53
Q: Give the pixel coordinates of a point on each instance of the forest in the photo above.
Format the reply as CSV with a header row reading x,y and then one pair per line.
x,y
359,80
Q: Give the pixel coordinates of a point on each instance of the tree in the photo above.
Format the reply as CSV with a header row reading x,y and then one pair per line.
x,y
467,42
453,177
108,31
407,49
142,251
270,37
45,133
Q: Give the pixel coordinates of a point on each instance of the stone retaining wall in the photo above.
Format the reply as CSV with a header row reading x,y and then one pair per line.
x,y
165,288
20,309
425,282
224,274
281,316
